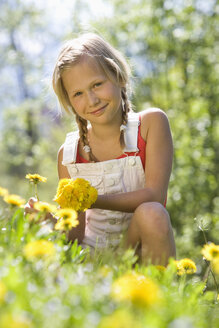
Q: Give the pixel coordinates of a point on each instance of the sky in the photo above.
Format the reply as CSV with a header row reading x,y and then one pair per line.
x,y
61,10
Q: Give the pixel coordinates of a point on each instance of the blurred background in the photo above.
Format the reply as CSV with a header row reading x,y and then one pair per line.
x,y
173,49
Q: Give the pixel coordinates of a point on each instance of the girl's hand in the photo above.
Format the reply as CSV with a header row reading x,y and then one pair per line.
x,y
29,206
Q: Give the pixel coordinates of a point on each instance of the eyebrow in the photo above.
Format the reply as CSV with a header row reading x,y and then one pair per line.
x,y
93,82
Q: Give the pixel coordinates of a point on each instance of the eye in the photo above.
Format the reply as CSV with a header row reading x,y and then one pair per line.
x,y
97,84
77,94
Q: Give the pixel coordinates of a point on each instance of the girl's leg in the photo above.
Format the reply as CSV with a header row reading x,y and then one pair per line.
x,y
150,228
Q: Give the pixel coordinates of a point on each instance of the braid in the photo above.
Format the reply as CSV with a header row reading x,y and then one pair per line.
x,y
126,108
82,125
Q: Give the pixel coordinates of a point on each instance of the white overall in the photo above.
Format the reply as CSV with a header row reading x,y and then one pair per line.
x,y
103,227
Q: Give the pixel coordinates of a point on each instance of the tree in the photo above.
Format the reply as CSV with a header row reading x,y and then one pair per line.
x,y
173,47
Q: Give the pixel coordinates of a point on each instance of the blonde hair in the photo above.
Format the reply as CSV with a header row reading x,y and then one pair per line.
x,y
111,61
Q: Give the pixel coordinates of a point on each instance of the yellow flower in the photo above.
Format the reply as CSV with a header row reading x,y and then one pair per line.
x,y
44,207
14,200
210,251
8,321
136,288
39,248
3,292
76,194
215,265
119,319
185,266
68,220
3,192
160,268
67,213
35,178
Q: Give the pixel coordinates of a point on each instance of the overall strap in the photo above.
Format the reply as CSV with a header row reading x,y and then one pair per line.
x,y
131,133
70,148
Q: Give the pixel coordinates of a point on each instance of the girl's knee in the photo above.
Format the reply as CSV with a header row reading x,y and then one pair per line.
x,y
153,218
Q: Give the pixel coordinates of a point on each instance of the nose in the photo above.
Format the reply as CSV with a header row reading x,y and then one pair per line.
x,y
92,98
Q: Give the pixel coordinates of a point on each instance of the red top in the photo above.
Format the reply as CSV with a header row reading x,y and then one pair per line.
x,y
141,152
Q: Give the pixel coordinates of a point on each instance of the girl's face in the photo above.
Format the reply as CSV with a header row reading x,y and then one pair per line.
x,y
92,95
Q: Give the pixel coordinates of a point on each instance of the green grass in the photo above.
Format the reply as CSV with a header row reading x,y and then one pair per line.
x,y
74,289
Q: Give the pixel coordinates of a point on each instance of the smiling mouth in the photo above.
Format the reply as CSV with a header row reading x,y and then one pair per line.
x,y
98,111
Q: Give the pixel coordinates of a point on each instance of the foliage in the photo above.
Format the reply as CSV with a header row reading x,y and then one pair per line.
x,y
29,137
46,281
172,47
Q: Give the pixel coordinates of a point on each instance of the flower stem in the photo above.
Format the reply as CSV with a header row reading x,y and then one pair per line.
x,y
204,236
182,283
36,195
207,272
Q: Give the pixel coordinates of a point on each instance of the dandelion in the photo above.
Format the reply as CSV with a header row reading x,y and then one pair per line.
x,y
3,292
119,319
3,192
67,224
44,207
185,266
210,251
35,178
136,288
67,219
76,194
67,213
160,268
39,249
14,200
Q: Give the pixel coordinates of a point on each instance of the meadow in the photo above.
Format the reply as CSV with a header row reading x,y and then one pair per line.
x,y
46,281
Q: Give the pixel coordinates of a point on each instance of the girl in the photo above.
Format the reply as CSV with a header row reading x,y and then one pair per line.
x,y
127,157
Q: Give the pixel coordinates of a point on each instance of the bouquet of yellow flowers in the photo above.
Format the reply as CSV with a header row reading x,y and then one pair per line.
x,y
75,194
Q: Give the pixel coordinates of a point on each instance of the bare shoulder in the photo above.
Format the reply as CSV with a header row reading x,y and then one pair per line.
x,y
62,170
60,154
60,151
153,118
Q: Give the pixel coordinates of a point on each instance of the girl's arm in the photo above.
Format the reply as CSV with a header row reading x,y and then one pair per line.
x,y
77,232
155,130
